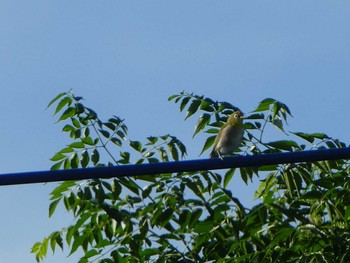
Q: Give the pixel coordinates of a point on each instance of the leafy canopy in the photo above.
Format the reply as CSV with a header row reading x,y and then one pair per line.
x,y
301,214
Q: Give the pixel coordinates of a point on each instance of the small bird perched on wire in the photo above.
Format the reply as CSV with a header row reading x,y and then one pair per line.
x,y
229,137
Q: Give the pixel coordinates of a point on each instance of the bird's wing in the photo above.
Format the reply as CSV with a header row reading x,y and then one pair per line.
x,y
214,153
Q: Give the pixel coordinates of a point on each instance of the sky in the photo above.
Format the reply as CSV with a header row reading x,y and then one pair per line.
x,y
127,57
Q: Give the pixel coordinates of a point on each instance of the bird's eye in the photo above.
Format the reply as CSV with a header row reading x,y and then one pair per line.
x,y
236,116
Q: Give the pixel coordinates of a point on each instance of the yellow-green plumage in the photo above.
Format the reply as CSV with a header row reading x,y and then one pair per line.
x,y
229,137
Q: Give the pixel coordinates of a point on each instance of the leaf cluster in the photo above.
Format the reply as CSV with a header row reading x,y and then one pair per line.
x,y
301,213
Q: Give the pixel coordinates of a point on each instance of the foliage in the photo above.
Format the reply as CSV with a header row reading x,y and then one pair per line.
x,y
301,214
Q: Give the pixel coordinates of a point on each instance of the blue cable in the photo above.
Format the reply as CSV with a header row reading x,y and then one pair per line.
x,y
174,167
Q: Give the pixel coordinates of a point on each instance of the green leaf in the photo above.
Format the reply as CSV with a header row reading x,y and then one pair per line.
x,y
36,247
282,235
105,133
172,97
184,103
68,128
306,136
146,191
125,158
87,132
195,216
208,143
110,126
163,154
95,157
246,173
249,126
286,145
180,146
268,168
207,105
78,145
56,166
57,157
66,164
256,116
202,122
131,185
265,105
152,140
321,136
148,252
74,162
152,160
88,140
293,182
116,120
56,98
226,108
275,110
313,195
228,176
192,109
184,219
84,121
285,109
212,131
91,114
77,242
165,216
223,199
70,232
77,98
56,239
63,187
85,158
67,150
82,219
53,206
195,189
136,145
43,248
278,123
164,137
91,253
76,123
116,141
173,151
87,193
204,227
121,134
70,112
80,108
40,249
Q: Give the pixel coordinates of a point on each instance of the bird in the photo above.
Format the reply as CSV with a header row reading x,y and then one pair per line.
x,y
229,137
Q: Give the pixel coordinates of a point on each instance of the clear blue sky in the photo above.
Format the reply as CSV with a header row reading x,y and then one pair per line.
x,y
126,58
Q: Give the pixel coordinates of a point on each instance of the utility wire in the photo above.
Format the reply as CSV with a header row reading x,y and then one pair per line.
x,y
174,167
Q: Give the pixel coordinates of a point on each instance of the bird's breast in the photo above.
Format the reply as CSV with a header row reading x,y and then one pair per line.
x,y
230,139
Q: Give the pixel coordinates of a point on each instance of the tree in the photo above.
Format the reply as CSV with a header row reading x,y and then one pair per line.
x,y
301,214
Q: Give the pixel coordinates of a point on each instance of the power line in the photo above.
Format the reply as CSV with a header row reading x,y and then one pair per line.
x,y
173,167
